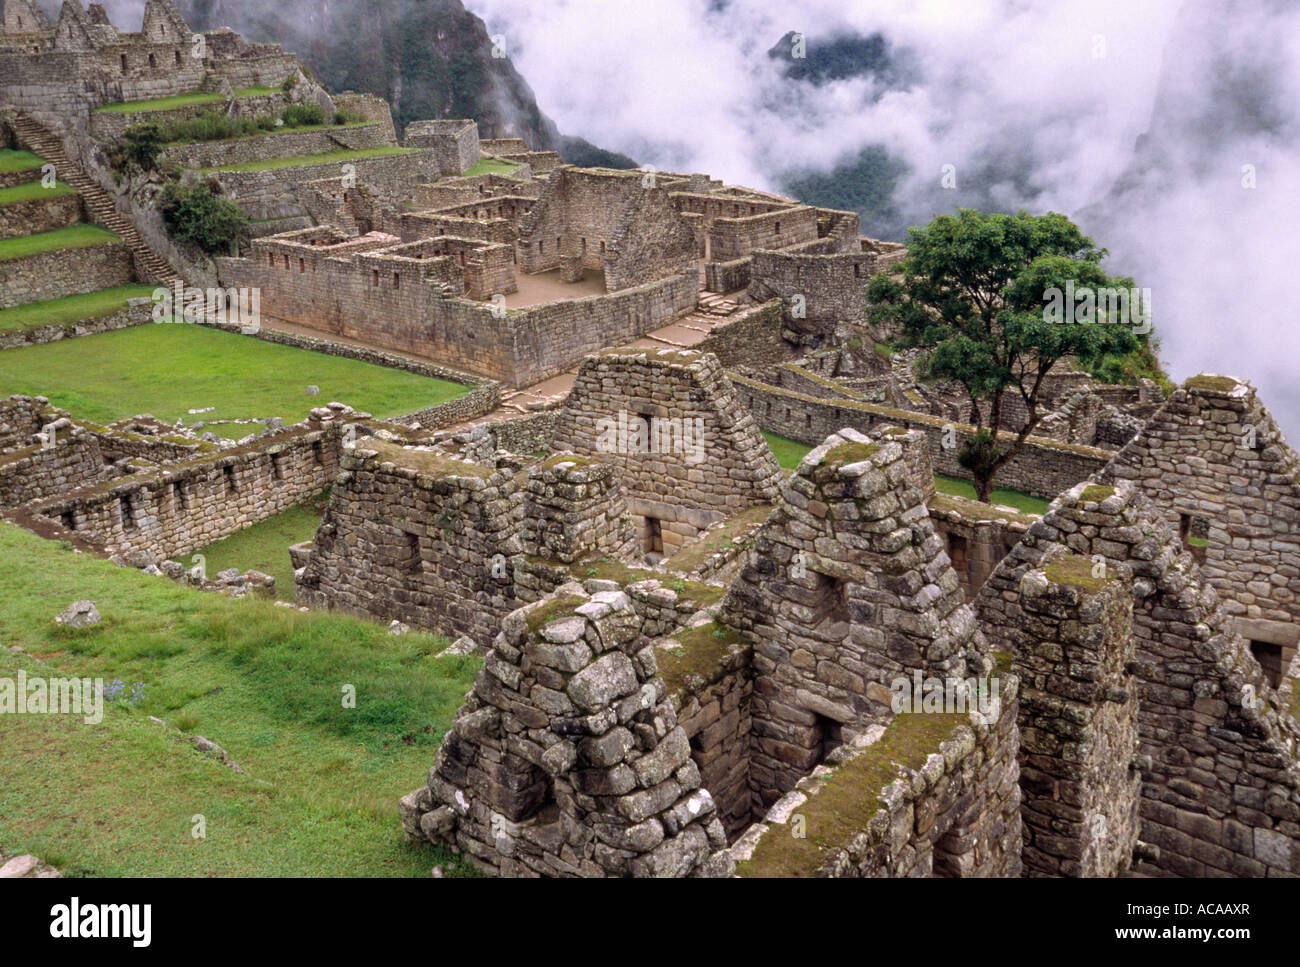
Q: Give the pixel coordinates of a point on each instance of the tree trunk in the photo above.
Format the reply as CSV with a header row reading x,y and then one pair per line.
x,y
983,487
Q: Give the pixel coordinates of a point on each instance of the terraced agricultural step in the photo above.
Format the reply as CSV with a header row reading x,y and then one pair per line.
x,y
37,139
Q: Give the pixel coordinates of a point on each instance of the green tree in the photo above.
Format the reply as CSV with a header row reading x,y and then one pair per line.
x,y
195,214
976,293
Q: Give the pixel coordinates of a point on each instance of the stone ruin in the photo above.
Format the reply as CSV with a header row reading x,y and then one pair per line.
x,y
1134,731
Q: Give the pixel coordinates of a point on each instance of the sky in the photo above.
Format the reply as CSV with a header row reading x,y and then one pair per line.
x,y
1059,91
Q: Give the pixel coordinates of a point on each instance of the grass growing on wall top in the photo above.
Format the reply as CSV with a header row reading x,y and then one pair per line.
x,y
71,309
265,683
168,369
329,157
80,235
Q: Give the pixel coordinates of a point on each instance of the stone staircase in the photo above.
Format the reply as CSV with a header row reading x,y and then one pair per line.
x,y
38,139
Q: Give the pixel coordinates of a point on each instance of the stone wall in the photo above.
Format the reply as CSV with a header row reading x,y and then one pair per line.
x,y
1216,463
317,279
567,759
455,144
689,454
53,275
1042,469
931,795
264,147
846,590
274,193
178,508
40,471
751,337
412,536
39,215
1220,782
1079,776
733,238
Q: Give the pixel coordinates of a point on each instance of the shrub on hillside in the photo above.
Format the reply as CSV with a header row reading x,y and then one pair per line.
x,y
195,214
303,115
138,145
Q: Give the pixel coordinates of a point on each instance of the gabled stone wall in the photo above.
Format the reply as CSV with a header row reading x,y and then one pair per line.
x,y
412,536
689,454
1221,785
567,758
846,590
1215,462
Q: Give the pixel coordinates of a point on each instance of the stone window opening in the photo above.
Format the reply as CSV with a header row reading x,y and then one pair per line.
x,y
178,58
654,536
957,552
602,248
302,266
277,466
411,562
1269,656
776,227
829,736
857,271
374,277
541,248
270,257
153,62
397,280
180,498
830,601
317,454
229,473
1194,533
128,513
69,520
123,56
286,260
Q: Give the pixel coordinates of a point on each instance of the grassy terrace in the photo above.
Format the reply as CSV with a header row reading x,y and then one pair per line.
x,y
265,683
80,235
788,453
329,157
74,308
169,369
286,129
32,190
490,166
180,100
265,547
11,160
1010,498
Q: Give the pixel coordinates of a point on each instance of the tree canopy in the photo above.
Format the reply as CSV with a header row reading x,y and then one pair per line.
x,y
996,301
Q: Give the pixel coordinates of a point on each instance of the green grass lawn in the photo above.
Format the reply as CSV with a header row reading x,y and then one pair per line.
x,y
80,235
788,453
490,166
1011,498
168,369
265,547
31,190
181,100
324,158
11,160
120,798
74,308
161,103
